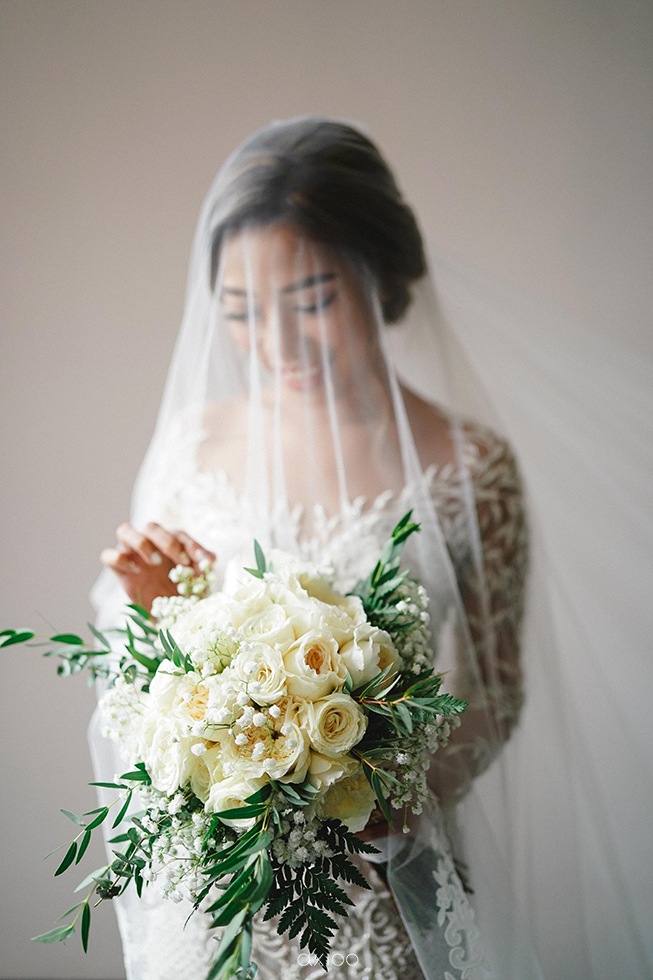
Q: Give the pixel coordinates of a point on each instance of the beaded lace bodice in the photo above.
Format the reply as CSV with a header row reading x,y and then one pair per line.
x,y
372,942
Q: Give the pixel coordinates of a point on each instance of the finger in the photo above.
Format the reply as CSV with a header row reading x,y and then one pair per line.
x,y
130,539
168,544
121,562
196,551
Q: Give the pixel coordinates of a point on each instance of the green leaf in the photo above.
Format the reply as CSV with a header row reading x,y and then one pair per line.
x,y
72,816
361,693
151,664
254,571
224,949
137,776
242,812
405,716
70,638
237,885
141,610
102,815
85,926
123,811
19,638
82,847
246,948
259,554
260,795
57,935
68,859
109,785
378,792
7,632
92,878
99,636
73,909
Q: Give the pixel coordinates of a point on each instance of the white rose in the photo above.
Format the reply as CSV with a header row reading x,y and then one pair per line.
x,y
169,760
269,625
318,606
261,668
341,613
334,724
301,612
349,799
314,666
230,793
289,752
323,771
245,594
368,653
164,686
207,770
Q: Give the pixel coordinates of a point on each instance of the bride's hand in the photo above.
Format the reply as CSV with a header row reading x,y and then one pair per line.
x,y
143,560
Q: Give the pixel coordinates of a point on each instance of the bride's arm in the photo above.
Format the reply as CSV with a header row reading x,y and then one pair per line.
x,y
494,603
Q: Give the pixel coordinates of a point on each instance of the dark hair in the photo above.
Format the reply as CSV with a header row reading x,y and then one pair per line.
x,y
331,181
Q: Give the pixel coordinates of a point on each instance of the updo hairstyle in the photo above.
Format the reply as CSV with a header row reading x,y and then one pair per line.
x,y
329,180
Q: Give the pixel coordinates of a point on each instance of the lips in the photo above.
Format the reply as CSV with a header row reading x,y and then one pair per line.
x,y
301,378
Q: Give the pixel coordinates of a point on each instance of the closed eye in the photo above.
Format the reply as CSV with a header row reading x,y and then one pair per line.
x,y
319,305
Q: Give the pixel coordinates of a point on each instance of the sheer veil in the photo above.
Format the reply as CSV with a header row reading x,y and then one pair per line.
x,y
532,858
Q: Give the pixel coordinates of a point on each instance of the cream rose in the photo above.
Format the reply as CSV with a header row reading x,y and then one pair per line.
x,y
370,651
269,625
279,747
334,724
168,759
314,666
350,799
207,770
323,771
262,669
164,686
230,793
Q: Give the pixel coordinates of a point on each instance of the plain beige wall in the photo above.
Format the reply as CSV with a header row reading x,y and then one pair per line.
x,y
521,132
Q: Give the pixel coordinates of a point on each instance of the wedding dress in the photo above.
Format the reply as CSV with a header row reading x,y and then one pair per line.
x,y
518,871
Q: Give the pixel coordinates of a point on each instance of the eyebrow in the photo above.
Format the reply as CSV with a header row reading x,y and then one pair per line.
x,y
293,288
310,281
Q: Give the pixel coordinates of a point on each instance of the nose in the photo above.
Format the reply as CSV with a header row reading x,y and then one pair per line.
x,y
281,338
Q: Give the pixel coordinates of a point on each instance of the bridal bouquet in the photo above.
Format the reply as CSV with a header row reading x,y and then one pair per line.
x,y
263,724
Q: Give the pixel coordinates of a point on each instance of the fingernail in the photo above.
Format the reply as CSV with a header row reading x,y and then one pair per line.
x,y
184,559
133,567
155,558
201,553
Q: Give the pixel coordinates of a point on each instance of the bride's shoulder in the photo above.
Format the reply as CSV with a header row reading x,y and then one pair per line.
x,y
486,454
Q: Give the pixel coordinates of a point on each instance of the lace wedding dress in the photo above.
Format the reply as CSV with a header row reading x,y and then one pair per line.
x,y
159,942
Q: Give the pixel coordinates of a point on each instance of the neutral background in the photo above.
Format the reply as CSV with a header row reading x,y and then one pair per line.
x,y
521,131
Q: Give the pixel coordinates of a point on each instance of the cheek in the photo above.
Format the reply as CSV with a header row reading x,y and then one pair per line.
x,y
239,334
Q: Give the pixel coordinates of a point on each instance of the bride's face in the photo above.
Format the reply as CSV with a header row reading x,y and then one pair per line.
x,y
300,302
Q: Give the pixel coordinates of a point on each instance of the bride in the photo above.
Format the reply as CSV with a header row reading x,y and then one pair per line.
x,y
312,400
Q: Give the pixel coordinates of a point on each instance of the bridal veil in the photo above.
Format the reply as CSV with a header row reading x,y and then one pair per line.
x,y
322,386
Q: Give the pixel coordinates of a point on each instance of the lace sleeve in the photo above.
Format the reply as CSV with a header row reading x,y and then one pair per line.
x,y
493,590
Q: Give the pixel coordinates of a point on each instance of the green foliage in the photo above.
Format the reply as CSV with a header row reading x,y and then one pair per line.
x,y
307,898
378,591
261,563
